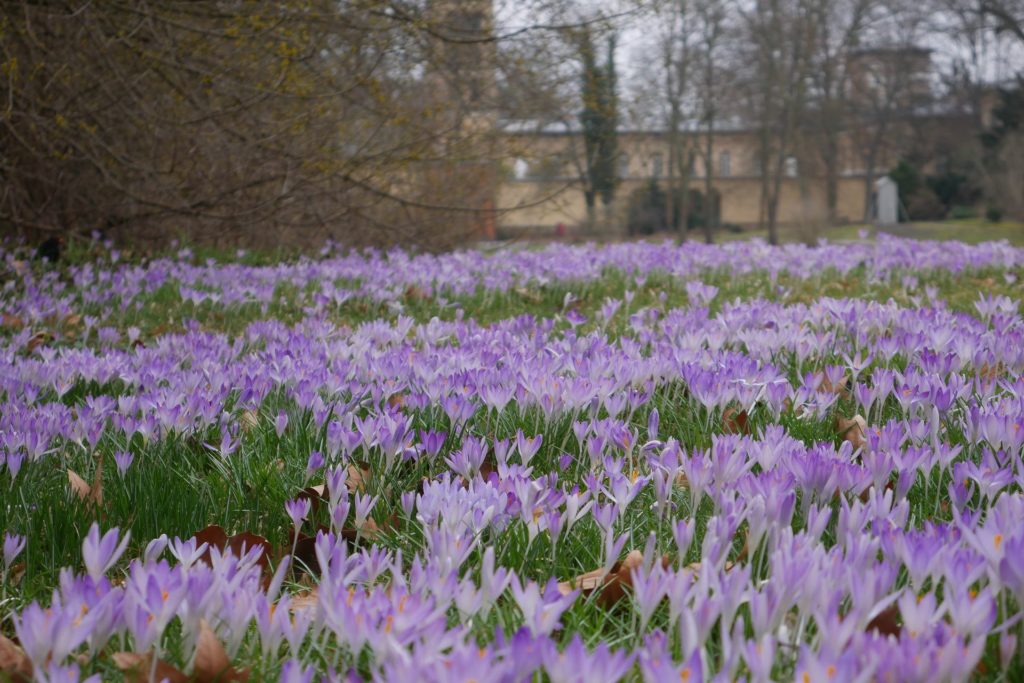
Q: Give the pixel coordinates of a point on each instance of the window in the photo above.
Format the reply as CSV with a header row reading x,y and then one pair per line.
x,y
791,168
623,166
520,169
724,164
657,164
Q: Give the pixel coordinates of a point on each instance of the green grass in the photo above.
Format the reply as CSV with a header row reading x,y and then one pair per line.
x,y
968,230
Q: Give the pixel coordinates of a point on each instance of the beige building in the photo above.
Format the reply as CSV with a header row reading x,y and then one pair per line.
x,y
541,187
540,190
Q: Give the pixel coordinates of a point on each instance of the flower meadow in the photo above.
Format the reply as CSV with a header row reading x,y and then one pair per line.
x,y
640,462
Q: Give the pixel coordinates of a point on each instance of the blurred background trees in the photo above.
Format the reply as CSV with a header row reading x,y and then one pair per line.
x,y
361,120
381,121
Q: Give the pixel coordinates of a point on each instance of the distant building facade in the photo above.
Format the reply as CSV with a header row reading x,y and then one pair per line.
x,y
540,188
529,179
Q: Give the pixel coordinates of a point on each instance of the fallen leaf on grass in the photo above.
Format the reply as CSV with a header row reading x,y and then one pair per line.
x,y
37,340
12,322
249,420
136,667
735,422
303,549
414,293
531,296
78,485
358,475
840,388
87,493
14,662
991,372
215,537
306,600
886,623
16,574
853,430
612,585
212,663
370,531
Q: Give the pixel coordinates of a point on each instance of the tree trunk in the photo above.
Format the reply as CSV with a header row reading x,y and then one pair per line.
x,y
831,153
870,159
684,194
710,213
670,199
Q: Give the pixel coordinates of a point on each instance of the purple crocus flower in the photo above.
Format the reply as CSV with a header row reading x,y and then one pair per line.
x,y
575,663
315,462
123,460
281,423
298,510
100,554
541,612
528,446
13,545
294,672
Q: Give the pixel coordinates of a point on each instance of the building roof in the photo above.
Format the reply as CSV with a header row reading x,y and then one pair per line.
x,y
572,127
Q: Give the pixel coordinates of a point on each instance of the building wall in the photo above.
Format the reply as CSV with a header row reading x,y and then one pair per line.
x,y
546,204
541,188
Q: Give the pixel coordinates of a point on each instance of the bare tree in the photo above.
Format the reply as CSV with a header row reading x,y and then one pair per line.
x,y
365,121
676,58
781,36
711,16
840,30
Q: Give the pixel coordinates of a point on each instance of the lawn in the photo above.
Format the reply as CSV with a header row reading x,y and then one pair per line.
x,y
642,461
970,231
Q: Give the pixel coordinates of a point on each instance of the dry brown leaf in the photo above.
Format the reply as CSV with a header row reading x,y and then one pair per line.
x,y
88,493
531,296
249,420
96,488
370,530
735,422
215,537
307,600
316,495
13,661
358,475
854,430
612,585
136,667
303,550
414,293
11,321
211,662
991,372
37,340
887,622
744,549
16,574
839,388
79,487
695,567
